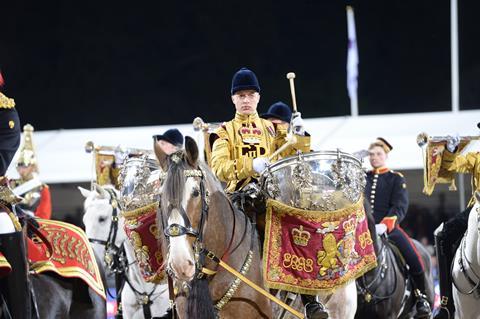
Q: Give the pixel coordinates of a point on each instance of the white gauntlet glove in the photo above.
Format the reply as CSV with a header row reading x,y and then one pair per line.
x,y
260,164
452,142
298,126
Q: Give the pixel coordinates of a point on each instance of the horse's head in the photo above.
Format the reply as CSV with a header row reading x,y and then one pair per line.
x,y
183,208
101,218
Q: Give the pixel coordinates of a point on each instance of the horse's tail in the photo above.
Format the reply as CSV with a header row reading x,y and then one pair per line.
x,y
199,301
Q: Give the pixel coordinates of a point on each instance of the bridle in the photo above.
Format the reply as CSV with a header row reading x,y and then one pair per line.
x,y
367,290
112,251
201,253
116,261
175,230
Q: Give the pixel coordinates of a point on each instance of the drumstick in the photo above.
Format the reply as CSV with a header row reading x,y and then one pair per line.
x,y
290,141
290,77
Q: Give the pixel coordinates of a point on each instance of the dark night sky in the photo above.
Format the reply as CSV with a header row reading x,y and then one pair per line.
x,y
94,64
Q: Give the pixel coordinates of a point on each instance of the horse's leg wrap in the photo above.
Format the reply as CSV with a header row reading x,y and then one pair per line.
x,y
443,248
15,287
313,308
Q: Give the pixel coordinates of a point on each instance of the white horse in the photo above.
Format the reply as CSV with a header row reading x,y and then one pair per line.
x,y
466,268
98,224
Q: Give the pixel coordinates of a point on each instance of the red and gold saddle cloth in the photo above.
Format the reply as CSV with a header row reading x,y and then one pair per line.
x,y
315,251
71,254
143,233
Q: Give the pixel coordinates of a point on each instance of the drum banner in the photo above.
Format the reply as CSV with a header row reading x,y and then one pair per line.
x,y
143,233
72,255
433,173
310,252
105,169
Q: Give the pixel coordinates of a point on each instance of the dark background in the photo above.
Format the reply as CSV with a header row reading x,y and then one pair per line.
x,y
99,64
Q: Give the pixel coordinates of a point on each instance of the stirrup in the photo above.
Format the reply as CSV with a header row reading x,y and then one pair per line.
x,y
315,310
422,302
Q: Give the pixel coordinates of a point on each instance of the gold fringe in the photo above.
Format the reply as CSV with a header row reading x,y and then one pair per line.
x,y
367,263
140,211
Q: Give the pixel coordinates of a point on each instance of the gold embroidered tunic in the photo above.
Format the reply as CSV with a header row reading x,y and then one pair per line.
x,y
241,140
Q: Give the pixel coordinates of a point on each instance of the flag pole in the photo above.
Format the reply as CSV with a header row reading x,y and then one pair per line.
x,y
454,55
352,62
456,84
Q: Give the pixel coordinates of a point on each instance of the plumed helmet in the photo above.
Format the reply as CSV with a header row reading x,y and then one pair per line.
x,y
27,155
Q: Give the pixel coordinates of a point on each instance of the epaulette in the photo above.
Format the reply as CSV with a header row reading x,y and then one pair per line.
x,y
221,131
6,102
398,173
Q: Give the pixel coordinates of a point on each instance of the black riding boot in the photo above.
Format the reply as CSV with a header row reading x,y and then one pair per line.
x,y
14,287
422,306
313,308
444,259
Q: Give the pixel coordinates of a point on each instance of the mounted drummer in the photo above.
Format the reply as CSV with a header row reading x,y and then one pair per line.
x,y
246,145
386,190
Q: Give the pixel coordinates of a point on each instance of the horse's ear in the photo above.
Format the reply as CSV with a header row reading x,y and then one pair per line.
x,y
477,197
101,191
191,149
85,192
161,156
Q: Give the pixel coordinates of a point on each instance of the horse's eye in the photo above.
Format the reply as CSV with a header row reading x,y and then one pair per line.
x,y
102,219
195,192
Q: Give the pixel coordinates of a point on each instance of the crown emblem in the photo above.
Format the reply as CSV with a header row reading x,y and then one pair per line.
x,y
349,226
300,236
250,135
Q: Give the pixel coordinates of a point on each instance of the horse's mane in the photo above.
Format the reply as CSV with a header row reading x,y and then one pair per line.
x,y
210,178
173,193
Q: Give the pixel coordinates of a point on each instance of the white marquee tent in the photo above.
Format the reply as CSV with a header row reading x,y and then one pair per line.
x,y
62,157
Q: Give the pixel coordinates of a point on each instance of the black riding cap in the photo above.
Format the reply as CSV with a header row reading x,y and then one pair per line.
x,y
172,136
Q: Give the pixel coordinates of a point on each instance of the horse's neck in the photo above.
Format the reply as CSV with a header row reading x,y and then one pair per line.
x,y
472,240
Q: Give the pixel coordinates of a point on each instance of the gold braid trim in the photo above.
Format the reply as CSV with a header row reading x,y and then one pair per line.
x,y
139,211
6,102
317,216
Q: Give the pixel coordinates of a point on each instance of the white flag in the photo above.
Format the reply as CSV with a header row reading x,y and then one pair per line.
x,y
352,61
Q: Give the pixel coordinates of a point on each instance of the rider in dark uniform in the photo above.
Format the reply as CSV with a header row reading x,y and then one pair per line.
x,y
14,291
386,191
448,237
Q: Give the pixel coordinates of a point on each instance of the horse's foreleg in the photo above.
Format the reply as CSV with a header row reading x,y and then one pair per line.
x,y
342,304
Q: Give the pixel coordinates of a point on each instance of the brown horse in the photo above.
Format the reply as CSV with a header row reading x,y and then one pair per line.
x,y
198,219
